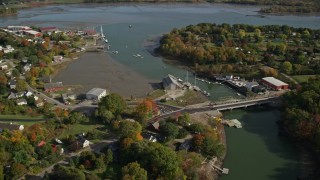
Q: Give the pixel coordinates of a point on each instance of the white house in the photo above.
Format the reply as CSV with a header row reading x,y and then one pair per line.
x,y
21,102
96,94
3,67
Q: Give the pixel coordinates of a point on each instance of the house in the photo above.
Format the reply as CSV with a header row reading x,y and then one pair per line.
x,y
28,94
91,32
27,67
48,30
12,84
251,85
53,87
96,94
8,49
66,97
39,103
79,144
274,83
259,89
3,67
11,127
32,33
186,145
41,143
12,95
155,126
57,58
21,102
36,98
171,83
45,79
18,28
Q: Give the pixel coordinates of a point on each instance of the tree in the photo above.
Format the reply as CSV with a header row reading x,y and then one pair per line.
x,y
162,162
184,120
17,170
113,103
169,130
129,129
105,115
75,117
60,172
21,85
133,171
286,67
1,173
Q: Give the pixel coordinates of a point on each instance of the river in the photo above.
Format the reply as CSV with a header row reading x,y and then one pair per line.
x,y
255,151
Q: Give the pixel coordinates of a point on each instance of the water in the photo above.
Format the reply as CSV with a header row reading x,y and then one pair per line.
x,y
254,152
257,151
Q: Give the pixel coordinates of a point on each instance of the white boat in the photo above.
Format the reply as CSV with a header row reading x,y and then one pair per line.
x,y
101,31
138,55
180,80
238,94
106,40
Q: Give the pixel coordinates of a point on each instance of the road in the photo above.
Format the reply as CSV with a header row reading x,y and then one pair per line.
x,y
83,105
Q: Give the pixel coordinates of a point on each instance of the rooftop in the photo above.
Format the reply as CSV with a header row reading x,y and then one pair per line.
x,y
274,81
96,91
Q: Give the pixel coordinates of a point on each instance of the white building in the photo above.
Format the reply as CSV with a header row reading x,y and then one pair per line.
x,y
96,94
21,102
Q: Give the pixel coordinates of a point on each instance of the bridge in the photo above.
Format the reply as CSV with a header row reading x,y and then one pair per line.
x,y
245,103
218,107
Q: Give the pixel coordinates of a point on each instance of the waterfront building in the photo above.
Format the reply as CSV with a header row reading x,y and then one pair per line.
x,y
96,94
274,83
171,83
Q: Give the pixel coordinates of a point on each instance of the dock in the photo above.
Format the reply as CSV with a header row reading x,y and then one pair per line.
x,y
232,123
212,164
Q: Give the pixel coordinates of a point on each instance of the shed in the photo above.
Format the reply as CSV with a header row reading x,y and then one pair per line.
x,y
96,94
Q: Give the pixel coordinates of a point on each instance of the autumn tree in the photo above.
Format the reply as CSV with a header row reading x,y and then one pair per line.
x,y
133,171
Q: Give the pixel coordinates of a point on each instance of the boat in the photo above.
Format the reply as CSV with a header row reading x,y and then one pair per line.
x,y
138,55
106,40
208,94
238,94
130,26
180,80
101,31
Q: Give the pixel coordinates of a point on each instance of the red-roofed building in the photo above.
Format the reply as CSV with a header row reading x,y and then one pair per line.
x,y
90,32
42,143
48,29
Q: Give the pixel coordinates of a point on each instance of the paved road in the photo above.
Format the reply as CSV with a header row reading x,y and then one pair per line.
x,y
83,105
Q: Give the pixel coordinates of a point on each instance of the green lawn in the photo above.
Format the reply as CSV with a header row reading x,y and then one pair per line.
x,y
82,127
302,78
21,119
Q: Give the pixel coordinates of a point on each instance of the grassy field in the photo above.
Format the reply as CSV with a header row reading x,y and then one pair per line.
x,y
21,119
302,78
80,128
190,97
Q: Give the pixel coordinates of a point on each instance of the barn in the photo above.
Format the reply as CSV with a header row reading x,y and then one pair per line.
x,y
274,83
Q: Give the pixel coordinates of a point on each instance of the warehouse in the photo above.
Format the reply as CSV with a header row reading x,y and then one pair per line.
x,y
274,83
96,94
